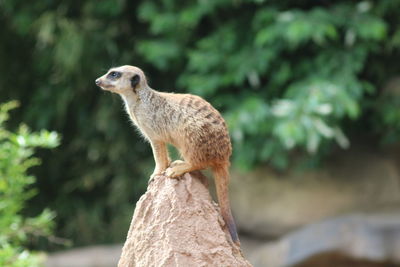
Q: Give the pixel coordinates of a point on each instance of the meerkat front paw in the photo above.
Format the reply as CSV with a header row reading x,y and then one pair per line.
x,y
152,178
155,173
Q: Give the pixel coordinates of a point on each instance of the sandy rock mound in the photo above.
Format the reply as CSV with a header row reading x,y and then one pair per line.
x,y
176,223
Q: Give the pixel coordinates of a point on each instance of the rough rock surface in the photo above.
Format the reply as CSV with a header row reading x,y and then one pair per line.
x,y
176,223
271,204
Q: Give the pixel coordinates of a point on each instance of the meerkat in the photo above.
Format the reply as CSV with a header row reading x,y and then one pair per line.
x,y
186,121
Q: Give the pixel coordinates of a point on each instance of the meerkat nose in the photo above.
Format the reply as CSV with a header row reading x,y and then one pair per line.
x,y
97,82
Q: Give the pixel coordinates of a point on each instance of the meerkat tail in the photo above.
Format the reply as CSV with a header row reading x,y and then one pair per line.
x,y
221,175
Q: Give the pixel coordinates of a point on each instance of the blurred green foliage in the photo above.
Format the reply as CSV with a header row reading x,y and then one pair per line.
x,y
288,75
294,79
16,151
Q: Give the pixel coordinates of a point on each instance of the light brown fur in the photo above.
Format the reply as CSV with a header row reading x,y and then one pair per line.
x,y
186,121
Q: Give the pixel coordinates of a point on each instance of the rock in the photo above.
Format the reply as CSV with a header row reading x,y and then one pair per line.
x,y
176,223
270,204
94,256
335,259
369,237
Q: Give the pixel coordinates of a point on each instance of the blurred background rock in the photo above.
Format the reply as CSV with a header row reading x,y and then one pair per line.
x,y
310,90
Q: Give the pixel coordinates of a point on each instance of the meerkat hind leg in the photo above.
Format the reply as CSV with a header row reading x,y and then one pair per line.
x,y
178,168
176,162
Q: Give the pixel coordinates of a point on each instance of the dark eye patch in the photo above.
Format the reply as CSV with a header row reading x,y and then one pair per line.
x,y
114,75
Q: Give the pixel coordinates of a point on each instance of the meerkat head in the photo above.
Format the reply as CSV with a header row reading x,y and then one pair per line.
x,y
122,79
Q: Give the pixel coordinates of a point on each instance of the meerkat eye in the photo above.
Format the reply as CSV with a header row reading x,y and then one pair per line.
x,y
114,75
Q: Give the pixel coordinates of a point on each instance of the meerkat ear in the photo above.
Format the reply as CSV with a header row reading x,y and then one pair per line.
x,y
135,81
